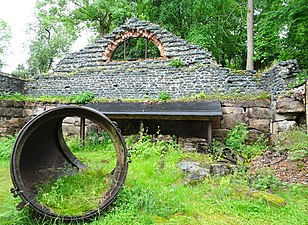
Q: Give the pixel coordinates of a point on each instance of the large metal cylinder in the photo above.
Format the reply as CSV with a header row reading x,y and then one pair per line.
x,y
40,155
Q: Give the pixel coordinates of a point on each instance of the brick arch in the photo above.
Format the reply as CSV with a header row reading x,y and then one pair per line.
x,y
120,38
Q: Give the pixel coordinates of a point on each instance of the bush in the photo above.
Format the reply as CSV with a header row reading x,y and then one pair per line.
x,y
83,98
236,140
6,145
164,96
176,62
295,142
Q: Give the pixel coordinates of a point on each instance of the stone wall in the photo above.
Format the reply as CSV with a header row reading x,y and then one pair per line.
x,y
146,79
288,113
10,85
261,116
14,115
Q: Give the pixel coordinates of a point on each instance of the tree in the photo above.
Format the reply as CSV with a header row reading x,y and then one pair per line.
x,y
51,41
250,11
99,15
5,37
295,41
280,31
219,26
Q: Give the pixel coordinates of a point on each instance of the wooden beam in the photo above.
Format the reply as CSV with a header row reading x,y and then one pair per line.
x,y
82,130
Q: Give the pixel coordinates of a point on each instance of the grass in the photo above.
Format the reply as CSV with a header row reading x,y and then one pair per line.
x,y
156,195
85,97
64,195
295,142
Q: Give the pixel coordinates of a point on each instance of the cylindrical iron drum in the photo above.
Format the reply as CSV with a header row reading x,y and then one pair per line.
x,y
40,155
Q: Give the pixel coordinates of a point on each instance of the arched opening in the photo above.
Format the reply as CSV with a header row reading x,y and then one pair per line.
x,y
135,48
134,38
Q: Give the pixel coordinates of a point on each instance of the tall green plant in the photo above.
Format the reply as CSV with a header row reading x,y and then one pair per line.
x,y
237,141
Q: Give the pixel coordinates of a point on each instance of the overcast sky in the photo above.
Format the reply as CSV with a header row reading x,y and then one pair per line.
x,y
19,13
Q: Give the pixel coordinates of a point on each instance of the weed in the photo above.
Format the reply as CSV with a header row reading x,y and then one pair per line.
x,y
83,98
176,62
164,96
6,144
295,142
237,141
153,196
300,79
265,179
75,194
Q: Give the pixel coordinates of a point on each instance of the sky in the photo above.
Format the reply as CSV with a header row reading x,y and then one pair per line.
x,y
19,13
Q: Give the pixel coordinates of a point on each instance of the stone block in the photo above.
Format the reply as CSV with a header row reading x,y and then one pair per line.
x,y
260,124
281,117
288,105
264,103
71,120
15,122
37,111
283,126
233,109
230,120
69,129
11,112
258,113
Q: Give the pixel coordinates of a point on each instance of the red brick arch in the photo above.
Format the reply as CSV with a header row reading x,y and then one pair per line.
x,y
120,38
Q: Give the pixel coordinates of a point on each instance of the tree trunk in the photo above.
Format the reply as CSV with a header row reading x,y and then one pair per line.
x,y
249,63
101,28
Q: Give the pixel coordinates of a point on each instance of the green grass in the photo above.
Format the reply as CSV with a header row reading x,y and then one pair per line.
x,y
156,195
75,194
85,97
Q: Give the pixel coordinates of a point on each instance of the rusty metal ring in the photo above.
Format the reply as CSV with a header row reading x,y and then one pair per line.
x,y
40,146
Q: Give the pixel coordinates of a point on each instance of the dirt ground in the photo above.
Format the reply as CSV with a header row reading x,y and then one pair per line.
x,y
287,170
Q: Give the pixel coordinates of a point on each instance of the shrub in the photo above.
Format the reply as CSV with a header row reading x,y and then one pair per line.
x,y
164,96
6,145
295,142
83,98
176,62
237,141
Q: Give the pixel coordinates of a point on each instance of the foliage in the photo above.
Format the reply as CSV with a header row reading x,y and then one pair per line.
x,y
301,77
135,49
64,195
236,137
99,15
176,62
5,36
83,98
295,142
21,71
220,27
237,141
51,41
6,144
164,96
280,32
265,180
